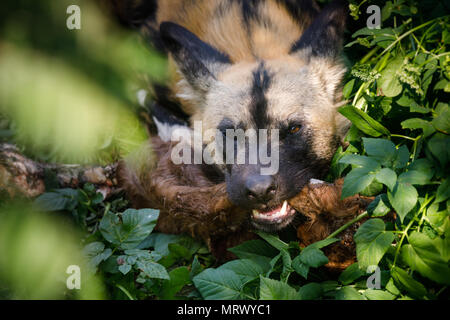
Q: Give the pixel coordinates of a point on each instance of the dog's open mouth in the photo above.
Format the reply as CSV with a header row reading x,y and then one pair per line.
x,y
275,218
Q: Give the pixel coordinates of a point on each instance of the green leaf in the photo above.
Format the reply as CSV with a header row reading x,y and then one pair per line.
x,y
322,243
379,206
405,281
246,269
363,121
438,145
416,123
356,181
389,82
378,295
217,284
300,267
253,249
387,176
276,290
380,149
443,191
350,274
403,198
361,161
348,88
372,242
125,268
179,277
273,240
348,293
310,291
422,255
152,269
96,253
442,121
196,268
313,257
60,199
415,177
402,157
135,226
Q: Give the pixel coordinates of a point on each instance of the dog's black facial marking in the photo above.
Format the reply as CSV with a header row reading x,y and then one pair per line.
x,y
196,59
258,105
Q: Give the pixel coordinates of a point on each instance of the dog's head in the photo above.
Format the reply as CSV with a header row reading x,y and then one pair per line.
x,y
292,100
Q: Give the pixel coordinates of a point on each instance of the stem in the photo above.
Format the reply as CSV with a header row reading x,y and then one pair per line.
x,y
408,33
404,137
348,224
405,232
125,291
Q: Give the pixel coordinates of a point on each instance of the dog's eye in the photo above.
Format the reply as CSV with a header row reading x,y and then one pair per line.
x,y
294,129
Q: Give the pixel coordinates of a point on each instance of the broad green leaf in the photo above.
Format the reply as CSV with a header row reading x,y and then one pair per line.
x,y
416,177
254,248
246,269
402,157
442,121
357,180
313,257
96,253
372,189
179,277
310,291
423,256
300,267
152,269
379,206
270,289
363,121
216,284
372,242
403,198
380,149
387,176
405,281
348,293
438,145
60,199
350,274
389,82
361,161
125,268
378,295
129,232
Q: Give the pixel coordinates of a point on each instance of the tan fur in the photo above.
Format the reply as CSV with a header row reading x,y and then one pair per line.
x,y
303,88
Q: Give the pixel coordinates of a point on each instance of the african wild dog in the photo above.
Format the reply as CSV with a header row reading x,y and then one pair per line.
x,y
261,64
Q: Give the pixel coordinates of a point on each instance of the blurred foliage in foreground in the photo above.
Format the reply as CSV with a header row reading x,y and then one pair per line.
x,y
65,95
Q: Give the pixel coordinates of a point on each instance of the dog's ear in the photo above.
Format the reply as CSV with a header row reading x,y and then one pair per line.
x,y
321,44
323,38
198,61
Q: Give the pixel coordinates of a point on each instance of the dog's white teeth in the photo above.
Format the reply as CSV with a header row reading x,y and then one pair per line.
x,y
255,212
283,209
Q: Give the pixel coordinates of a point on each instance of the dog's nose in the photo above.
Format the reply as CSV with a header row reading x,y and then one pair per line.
x,y
260,187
